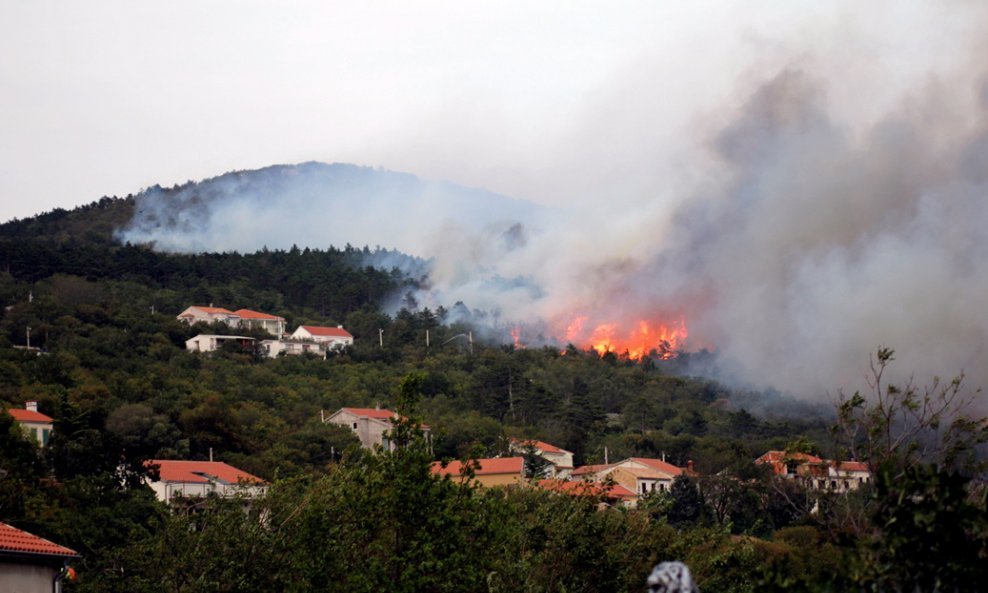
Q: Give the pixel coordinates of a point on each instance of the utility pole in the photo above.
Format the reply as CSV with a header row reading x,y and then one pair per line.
x,y
380,337
29,337
426,338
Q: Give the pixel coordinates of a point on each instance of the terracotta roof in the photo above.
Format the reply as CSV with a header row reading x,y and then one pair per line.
x,y
498,465
329,332
580,488
658,464
540,445
248,314
372,413
14,540
590,469
201,472
22,415
853,466
781,456
211,310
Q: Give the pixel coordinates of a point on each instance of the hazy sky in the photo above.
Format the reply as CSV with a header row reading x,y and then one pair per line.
x,y
552,101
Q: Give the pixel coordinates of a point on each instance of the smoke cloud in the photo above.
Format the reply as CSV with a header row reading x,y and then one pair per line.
x,y
792,232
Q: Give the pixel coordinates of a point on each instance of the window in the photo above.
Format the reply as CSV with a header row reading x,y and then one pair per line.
x,y
45,433
355,426
34,433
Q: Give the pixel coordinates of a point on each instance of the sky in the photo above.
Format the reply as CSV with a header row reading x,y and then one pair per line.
x,y
799,181
552,102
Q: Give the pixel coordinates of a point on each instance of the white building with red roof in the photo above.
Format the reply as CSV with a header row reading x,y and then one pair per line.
x,y
561,459
817,473
612,494
35,424
272,324
641,475
332,337
197,314
180,478
494,471
31,564
241,318
371,425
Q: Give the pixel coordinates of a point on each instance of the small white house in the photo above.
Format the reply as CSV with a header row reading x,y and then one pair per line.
x,y
201,478
371,425
333,337
35,424
275,348
196,314
212,342
561,459
32,564
272,324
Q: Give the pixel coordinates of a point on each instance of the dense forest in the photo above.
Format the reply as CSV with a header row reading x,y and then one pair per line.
x,y
114,373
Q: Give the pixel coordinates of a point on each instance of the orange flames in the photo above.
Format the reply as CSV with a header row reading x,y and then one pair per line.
x,y
639,342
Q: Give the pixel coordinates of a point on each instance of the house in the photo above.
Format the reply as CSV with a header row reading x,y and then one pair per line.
x,y
641,475
32,564
371,425
498,471
817,473
241,318
197,314
37,425
177,478
212,342
612,494
561,459
275,348
333,337
272,324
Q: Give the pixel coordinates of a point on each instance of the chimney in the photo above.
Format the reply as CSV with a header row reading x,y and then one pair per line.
x,y
339,327
689,466
33,406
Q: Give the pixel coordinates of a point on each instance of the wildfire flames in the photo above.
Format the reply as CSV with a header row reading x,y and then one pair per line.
x,y
645,338
638,342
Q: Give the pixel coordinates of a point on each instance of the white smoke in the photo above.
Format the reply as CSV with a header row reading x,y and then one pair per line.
x,y
799,226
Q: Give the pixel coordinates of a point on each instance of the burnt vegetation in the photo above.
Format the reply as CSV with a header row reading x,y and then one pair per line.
x,y
114,373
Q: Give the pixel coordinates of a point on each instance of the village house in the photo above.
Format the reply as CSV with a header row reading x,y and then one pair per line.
x,y
817,473
498,471
212,342
35,424
32,564
276,348
561,460
371,425
241,318
196,314
641,475
332,337
610,494
272,324
177,478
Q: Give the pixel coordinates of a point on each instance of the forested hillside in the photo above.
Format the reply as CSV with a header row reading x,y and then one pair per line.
x,y
113,372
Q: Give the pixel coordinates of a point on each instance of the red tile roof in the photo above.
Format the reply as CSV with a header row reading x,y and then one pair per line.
x,y
660,465
329,332
212,310
778,460
17,541
201,472
248,314
22,415
580,488
853,466
540,445
590,469
498,465
372,413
